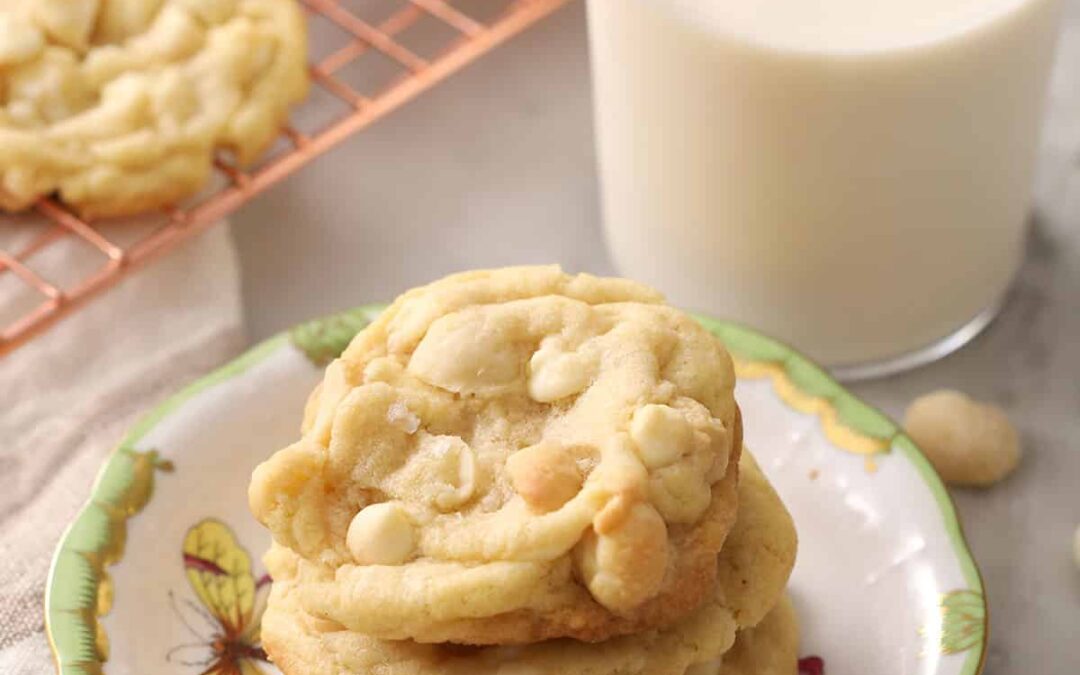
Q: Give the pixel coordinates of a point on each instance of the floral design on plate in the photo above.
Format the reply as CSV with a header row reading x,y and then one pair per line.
x,y
963,621
230,603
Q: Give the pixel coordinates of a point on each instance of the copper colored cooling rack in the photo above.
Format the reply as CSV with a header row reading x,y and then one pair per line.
x,y
368,58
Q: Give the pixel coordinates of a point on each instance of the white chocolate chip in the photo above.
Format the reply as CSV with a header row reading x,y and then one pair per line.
x,y
381,534
969,443
555,374
661,435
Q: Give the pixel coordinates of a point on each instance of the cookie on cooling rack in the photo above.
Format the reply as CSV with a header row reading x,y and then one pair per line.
x,y
118,106
511,456
701,642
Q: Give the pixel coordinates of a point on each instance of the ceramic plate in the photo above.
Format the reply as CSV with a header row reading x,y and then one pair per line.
x,y
161,571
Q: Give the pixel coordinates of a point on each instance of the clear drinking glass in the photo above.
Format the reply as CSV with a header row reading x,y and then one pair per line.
x,y
851,176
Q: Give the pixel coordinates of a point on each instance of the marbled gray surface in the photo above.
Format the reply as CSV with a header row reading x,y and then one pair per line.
x,y
495,167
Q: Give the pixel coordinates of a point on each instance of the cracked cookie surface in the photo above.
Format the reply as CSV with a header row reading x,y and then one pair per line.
x,y
510,456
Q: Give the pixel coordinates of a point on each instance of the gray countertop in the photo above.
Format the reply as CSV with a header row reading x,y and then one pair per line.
x,y
495,167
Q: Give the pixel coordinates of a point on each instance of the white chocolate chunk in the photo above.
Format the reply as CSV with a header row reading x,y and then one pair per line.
x,y
555,374
381,534
469,357
661,435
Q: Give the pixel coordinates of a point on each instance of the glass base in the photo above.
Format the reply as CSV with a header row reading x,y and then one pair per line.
x,y
937,350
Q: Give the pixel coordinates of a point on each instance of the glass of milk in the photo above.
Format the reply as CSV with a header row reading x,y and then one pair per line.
x,y
851,176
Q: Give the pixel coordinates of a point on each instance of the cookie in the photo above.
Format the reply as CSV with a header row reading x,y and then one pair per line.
x,y
770,648
119,105
300,643
767,556
511,456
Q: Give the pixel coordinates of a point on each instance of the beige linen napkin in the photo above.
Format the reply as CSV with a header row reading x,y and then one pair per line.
x,y
67,397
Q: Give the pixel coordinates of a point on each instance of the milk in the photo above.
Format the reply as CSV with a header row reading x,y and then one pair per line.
x,y
851,176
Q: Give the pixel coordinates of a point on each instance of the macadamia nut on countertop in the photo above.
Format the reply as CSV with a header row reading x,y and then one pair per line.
x,y
969,443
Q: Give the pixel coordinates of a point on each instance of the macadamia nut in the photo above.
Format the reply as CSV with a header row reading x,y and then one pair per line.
x,y
625,567
546,475
969,443
381,534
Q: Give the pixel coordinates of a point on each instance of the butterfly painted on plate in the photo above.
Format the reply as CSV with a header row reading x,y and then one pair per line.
x,y
230,602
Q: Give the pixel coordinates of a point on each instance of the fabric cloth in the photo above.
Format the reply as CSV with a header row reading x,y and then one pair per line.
x,y
67,397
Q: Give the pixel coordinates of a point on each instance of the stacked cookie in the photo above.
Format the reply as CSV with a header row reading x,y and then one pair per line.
x,y
522,471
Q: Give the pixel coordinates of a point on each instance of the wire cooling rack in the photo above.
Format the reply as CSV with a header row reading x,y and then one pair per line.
x,y
368,57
